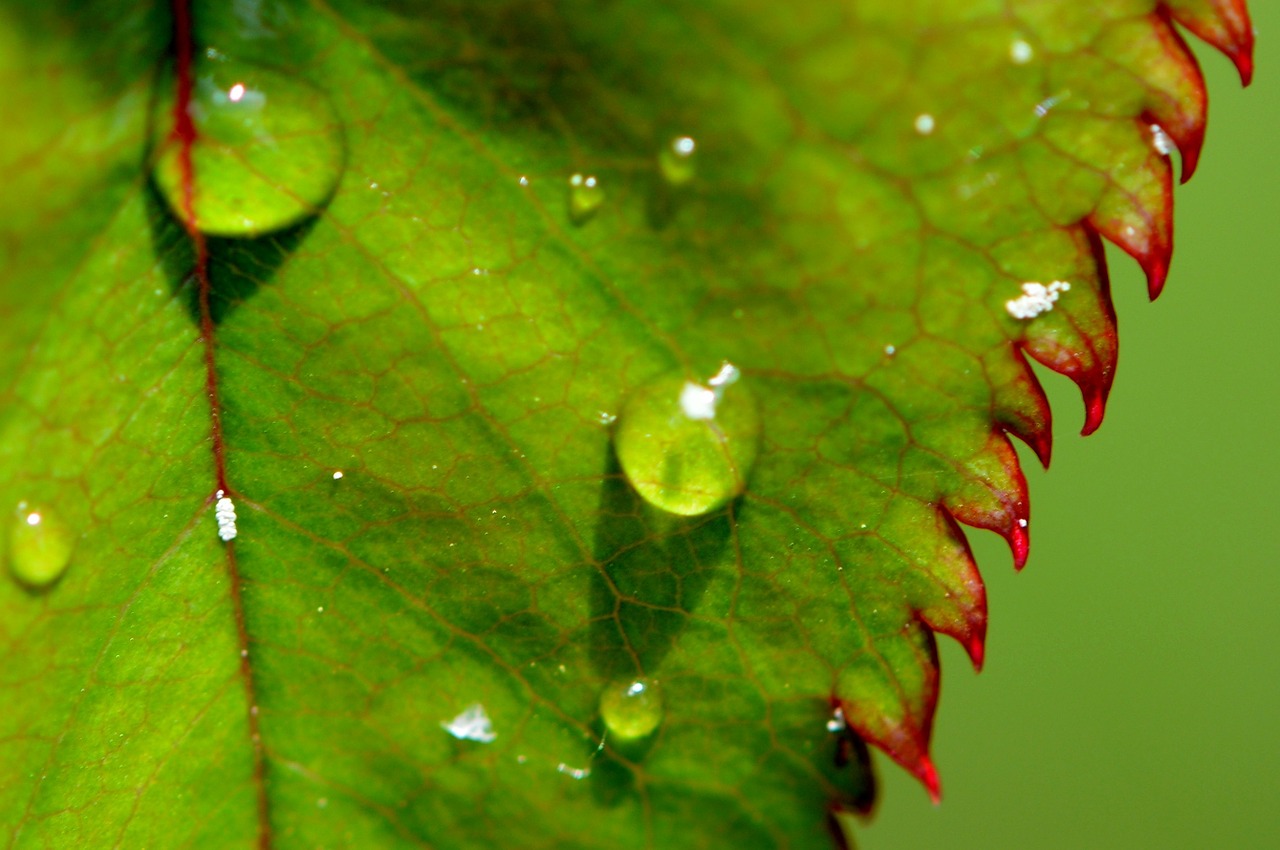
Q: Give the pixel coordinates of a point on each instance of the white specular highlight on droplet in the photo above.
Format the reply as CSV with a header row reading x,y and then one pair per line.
x,y
472,724
224,513
925,123
699,402
1020,52
1036,298
837,723
1161,141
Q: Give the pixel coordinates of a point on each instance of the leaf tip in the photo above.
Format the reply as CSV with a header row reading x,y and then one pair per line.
x,y
1019,543
927,773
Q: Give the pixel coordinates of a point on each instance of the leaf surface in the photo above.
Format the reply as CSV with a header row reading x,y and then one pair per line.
x,y
407,387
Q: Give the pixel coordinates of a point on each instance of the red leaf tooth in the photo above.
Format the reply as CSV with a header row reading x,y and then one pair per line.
x,y
1080,340
1224,24
964,616
1137,214
905,740
1022,410
1181,106
1006,511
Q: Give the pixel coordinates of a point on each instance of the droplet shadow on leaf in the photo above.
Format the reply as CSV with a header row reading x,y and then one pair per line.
x,y
237,267
655,568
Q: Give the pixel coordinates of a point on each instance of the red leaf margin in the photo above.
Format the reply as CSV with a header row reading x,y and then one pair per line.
x,y
1142,226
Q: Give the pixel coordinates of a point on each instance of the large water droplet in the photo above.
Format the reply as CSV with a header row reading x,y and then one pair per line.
x,y
632,708
268,151
676,160
39,547
585,197
687,448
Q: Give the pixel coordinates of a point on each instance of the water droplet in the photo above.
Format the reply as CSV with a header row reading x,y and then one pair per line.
x,y
631,708
585,197
676,160
268,150
40,547
1162,141
924,123
687,448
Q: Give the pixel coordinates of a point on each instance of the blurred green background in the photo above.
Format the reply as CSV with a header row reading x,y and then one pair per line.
x,y
1130,693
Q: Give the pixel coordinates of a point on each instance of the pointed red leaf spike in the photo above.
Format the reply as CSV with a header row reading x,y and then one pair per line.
x,y
1136,209
898,720
928,776
998,500
1022,409
1078,337
1224,24
1179,101
959,607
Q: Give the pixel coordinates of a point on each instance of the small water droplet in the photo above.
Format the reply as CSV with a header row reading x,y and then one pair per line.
x,y
631,708
338,475
688,448
40,546
268,151
925,123
1162,141
585,197
677,162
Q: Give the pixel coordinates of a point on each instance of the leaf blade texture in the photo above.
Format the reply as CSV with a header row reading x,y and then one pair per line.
x,y
415,383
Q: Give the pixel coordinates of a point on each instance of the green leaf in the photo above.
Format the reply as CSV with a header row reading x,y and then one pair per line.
x,y
382,315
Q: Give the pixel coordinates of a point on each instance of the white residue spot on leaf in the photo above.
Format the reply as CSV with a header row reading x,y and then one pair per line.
x,y
472,724
837,722
1161,140
924,123
1036,298
337,475
224,513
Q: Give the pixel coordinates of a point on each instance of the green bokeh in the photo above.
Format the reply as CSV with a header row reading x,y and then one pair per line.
x,y
1129,697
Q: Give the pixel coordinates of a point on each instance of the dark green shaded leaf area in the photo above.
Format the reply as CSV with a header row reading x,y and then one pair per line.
x,y
405,290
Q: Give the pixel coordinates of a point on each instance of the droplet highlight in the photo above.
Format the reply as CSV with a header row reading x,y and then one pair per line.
x,y
40,547
586,196
686,447
677,160
268,150
632,709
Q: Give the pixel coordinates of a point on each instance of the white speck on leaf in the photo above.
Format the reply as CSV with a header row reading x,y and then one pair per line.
x,y
1161,140
1020,52
924,123
837,722
472,724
